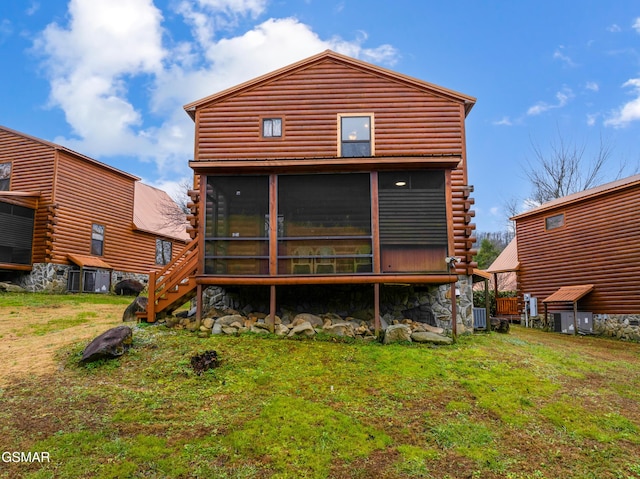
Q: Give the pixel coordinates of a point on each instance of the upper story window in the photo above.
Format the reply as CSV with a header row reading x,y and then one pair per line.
x,y
356,135
97,239
553,222
272,127
163,251
5,176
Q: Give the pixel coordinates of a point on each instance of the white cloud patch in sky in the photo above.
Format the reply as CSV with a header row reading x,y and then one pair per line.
x,y
592,86
636,25
504,121
93,62
559,55
614,28
563,97
628,112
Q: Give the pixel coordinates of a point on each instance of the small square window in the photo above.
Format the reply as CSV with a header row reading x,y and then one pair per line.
x,y
5,176
553,222
272,127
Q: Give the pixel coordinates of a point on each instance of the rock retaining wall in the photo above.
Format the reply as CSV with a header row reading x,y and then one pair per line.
x,y
428,304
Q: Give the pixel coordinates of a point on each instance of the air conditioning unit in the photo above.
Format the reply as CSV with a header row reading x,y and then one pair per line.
x,y
563,322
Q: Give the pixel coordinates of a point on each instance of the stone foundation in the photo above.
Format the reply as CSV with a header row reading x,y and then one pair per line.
x,y
625,327
53,278
621,326
429,304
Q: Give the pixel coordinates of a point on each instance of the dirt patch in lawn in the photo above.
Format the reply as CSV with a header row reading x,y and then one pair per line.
x,y
30,337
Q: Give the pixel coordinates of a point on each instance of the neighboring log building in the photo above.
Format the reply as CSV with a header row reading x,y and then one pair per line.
x,y
68,221
333,171
588,241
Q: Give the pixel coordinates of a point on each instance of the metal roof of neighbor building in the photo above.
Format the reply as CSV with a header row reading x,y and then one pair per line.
x,y
507,260
583,195
156,213
85,261
569,294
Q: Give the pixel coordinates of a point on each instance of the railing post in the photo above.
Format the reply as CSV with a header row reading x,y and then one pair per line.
x,y
151,303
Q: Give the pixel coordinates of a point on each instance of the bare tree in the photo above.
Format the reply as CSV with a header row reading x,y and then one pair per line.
x,y
174,212
565,170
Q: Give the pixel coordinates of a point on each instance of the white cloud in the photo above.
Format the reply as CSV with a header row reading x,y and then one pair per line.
x,y
628,112
562,99
592,86
495,211
636,25
591,118
33,8
558,55
111,49
504,121
614,28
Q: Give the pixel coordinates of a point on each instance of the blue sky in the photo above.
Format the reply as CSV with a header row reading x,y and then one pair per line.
x,y
108,78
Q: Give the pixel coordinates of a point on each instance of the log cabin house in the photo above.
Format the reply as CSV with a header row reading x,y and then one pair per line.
x,y
581,252
69,222
330,171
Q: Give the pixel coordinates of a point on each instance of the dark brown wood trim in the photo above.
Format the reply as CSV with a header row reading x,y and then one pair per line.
x,y
375,223
273,225
335,279
232,166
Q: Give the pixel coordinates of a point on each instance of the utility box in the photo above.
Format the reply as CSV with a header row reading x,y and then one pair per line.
x,y
563,322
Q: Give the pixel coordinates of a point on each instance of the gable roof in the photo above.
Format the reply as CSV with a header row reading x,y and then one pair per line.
x,y
156,213
507,260
601,190
468,101
69,151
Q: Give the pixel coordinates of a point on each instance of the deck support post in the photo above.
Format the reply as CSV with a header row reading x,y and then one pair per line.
x,y
271,322
199,304
376,308
151,302
454,318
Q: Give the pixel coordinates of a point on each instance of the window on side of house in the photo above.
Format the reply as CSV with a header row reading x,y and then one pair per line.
x,y
5,176
356,135
272,127
554,222
163,251
97,239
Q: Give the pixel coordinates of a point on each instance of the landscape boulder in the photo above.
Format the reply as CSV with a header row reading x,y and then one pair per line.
x,y
138,305
500,325
429,337
8,287
397,333
110,344
128,287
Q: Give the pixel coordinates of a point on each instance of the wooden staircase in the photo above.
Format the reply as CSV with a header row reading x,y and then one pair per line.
x,y
173,285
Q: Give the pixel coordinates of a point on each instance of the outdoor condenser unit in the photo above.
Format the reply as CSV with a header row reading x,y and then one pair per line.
x,y
563,322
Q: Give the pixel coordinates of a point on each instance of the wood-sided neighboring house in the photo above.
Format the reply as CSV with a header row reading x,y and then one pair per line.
x,y
582,252
69,222
333,171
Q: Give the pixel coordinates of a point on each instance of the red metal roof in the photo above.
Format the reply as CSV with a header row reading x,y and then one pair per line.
x,y
606,188
88,261
507,260
569,294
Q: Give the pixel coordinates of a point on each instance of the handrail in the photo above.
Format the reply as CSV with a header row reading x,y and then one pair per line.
x,y
171,275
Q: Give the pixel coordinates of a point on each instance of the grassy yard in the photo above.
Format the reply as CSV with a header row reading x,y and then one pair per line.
x,y
524,405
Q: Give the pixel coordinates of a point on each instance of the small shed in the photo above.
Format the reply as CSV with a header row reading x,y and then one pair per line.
x,y
569,294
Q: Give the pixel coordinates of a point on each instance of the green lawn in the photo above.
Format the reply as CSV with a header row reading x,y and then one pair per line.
x,y
524,405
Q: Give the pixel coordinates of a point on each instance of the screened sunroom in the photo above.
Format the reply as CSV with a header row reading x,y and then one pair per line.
x,y
327,223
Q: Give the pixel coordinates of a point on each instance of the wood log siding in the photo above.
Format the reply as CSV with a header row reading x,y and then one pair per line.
x,y
76,192
597,245
407,121
32,170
